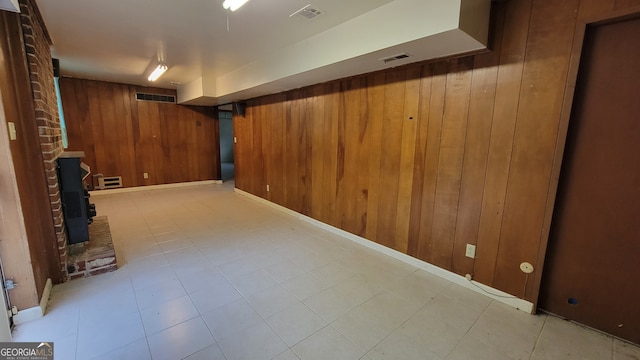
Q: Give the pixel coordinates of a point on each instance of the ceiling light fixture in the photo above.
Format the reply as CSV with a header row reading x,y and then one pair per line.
x,y
157,72
233,5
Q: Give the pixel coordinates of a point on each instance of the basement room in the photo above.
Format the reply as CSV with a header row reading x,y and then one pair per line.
x,y
320,179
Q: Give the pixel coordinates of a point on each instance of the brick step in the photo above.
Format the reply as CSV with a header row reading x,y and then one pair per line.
x,y
96,256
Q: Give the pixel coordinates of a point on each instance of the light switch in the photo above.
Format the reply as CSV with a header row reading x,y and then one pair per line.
x,y
12,130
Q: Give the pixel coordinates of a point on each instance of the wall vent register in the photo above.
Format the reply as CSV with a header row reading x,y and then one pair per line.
x,y
156,98
307,13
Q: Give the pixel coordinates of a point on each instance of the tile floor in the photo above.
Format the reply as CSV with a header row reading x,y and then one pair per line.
x,y
206,273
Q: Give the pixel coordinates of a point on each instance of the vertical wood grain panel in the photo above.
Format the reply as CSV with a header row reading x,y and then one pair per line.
x,y
363,158
589,8
129,161
504,120
432,154
544,76
267,139
317,144
624,4
407,156
419,162
125,137
483,90
135,133
96,128
375,104
452,140
331,153
390,159
293,161
348,154
307,150
279,145
474,166
258,183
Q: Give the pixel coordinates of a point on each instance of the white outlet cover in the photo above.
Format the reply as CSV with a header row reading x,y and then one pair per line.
x,y
526,267
471,251
12,130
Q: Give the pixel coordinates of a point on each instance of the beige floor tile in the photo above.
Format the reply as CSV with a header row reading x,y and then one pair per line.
x,y
168,314
202,261
330,304
180,341
564,339
227,320
295,323
272,300
363,328
625,351
257,341
327,344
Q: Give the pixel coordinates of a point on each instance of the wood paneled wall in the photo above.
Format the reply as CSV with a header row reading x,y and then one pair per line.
x,y
125,137
430,157
28,245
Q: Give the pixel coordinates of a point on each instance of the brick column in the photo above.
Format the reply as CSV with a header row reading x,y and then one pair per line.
x,y
37,47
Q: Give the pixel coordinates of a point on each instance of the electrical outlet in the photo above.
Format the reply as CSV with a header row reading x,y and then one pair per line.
x,y
471,251
235,140
145,175
526,267
267,187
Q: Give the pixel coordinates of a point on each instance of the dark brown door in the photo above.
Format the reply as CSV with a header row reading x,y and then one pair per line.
x,y
592,273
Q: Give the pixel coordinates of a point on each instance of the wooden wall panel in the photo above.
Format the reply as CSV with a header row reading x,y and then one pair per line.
x,y
435,110
124,137
475,165
450,160
543,80
419,165
505,107
478,135
392,122
407,156
317,135
375,104
28,240
362,159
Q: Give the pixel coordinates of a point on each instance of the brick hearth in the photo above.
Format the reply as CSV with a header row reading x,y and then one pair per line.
x,y
95,256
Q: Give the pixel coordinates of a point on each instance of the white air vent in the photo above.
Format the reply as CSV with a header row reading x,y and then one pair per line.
x,y
394,58
110,182
307,13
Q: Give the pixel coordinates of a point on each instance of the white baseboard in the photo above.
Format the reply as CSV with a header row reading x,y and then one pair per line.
x,y
480,288
35,312
153,187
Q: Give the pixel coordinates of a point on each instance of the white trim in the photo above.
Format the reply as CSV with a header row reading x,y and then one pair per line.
x,y
483,289
35,312
154,187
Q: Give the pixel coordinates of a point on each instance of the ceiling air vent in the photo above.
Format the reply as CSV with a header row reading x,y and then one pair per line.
x,y
156,98
307,13
394,58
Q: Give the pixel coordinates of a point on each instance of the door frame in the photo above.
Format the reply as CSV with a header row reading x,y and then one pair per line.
x,y
5,153
563,127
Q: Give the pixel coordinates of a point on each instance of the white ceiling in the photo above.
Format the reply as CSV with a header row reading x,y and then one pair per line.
x,y
122,40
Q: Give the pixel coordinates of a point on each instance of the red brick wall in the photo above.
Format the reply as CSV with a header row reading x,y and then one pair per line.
x,y
37,47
